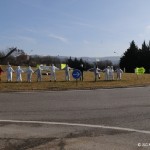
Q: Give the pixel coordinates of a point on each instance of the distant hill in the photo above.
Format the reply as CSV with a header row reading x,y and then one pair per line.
x,y
113,59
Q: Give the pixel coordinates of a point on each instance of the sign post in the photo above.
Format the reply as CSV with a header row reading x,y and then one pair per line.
x,y
76,75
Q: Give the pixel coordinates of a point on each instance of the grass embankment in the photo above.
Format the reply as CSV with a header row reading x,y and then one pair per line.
x,y
128,79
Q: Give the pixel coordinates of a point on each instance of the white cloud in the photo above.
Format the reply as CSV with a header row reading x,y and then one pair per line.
x,y
84,24
30,30
57,37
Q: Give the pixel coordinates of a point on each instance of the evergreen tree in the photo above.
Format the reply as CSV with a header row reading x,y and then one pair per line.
x,y
76,64
130,59
145,56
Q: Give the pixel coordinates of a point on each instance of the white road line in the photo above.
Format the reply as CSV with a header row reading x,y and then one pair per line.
x,y
76,124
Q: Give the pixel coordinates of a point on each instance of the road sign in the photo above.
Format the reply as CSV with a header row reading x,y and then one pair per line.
x,y
76,74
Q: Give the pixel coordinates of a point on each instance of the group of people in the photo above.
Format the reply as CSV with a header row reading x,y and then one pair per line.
x,y
109,73
18,72
29,71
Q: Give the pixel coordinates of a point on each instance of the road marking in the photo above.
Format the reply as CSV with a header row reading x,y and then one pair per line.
x,y
76,124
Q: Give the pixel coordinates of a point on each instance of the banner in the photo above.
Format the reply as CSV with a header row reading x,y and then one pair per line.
x,y
63,66
140,70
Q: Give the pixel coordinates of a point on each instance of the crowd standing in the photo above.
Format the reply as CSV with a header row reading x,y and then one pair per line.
x,y
108,73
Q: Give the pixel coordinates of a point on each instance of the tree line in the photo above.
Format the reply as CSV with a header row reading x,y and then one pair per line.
x,y
136,57
15,56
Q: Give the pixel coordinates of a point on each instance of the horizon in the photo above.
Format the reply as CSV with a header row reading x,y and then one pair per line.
x,y
99,28
113,59
72,56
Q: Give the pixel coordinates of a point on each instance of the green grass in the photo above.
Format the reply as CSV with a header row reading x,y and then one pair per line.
x,y
128,79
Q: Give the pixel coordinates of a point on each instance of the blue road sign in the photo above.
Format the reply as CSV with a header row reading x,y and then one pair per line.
x,y
76,74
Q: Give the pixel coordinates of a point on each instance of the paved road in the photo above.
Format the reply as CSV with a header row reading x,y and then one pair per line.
x,y
125,108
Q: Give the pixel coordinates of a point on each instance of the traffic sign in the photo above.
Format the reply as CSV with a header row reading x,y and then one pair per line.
x,y
76,74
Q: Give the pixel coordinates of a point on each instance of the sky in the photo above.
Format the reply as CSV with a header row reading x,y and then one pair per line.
x,y
77,28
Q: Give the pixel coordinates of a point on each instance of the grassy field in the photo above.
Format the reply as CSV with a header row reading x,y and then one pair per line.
x,y
128,79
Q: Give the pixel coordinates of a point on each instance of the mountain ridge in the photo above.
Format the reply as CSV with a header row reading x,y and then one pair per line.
x,y
113,59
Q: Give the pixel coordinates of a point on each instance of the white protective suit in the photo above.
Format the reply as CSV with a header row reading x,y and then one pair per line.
x,y
18,74
29,72
107,70
53,72
119,73
67,73
39,74
9,71
111,73
96,71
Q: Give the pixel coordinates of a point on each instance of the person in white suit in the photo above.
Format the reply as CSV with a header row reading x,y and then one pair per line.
x,y
119,73
106,71
111,73
67,72
39,73
53,72
9,71
96,71
19,72
29,72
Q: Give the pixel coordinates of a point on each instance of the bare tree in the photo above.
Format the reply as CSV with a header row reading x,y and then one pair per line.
x,y
11,50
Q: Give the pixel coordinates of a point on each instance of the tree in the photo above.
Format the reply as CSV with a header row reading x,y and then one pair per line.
x,y
103,64
10,56
135,57
145,56
76,64
3,56
131,58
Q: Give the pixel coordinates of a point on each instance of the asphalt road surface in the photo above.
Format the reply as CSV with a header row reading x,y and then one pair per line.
x,y
103,119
